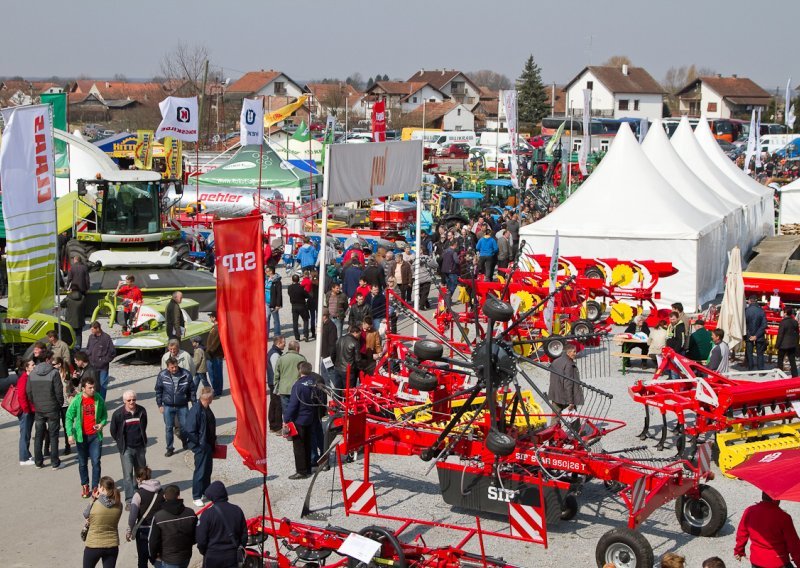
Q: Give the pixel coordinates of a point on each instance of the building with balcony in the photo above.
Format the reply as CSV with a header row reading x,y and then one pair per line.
x,y
453,84
722,97
617,92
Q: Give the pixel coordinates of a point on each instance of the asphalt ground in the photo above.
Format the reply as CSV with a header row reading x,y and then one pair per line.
x,y
40,510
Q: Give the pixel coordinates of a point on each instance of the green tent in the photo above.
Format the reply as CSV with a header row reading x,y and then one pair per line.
x,y
241,170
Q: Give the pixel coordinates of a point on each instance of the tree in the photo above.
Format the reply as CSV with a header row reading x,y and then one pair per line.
x,y
385,77
120,77
186,63
490,79
370,83
355,80
618,61
531,94
676,78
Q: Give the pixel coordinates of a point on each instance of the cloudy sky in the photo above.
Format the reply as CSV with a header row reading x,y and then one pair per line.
x,y
334,38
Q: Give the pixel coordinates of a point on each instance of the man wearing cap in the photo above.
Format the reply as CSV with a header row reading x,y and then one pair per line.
x,y
700,342
755,329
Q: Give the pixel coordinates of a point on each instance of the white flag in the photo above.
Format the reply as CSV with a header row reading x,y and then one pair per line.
x,y
251,122
587,136
179,119
788,109
510,103
758,139
751,143
551,302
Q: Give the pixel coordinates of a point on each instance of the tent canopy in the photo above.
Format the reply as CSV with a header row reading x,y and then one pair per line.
x,y
241,170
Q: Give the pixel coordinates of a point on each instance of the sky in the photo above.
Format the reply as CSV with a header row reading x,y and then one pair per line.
x,y
313,39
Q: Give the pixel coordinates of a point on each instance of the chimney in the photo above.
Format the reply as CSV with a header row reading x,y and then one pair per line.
x,y
443,71
624,69
107,84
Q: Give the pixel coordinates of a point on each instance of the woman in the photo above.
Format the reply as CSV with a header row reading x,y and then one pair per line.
x,y
103,515
371,347
145,503
70,390
657,340
404,277
26,418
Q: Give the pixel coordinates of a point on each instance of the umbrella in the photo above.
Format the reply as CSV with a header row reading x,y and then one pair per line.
x,y
731,315
777,473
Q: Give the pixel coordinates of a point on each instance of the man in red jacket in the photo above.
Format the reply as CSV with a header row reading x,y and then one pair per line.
x,y
771,533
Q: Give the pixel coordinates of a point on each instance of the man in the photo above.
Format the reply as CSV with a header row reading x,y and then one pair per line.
x,y
78,276
131,296
78,286
221,529
755,338
73,305
46,394
787,340
350,277
772,536
172,535
174,390
565,391
274,412
684,318
185,361
374,274
503,249
83,368
101,351
700,342
174,317
401,270
348,355
676,333
273,296
713,562
298,298
287,373
487,254
84,423
215,355
451,268
303,412
337,306
377,305
59,347
427,269
359,311
328,348
129,431
307,255
201,432
388,266
719,359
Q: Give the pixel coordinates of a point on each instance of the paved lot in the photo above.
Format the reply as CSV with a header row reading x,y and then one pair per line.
x,y
41,509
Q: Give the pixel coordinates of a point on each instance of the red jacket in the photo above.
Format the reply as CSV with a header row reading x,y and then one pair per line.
x,y
24,403
132,293
771,534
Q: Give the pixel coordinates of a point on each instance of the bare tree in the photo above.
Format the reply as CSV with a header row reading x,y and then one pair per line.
x,y
676,78
119,77
335,99
618,61
356,80
185,63
490,79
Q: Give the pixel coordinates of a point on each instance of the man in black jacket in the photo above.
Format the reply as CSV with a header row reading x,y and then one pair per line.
x,y
451,268
787,340
298,298
174,390
374,275
347,354
172,535
273,295
755,334
101,351
275,410
330,336
201,431
221,529
46,394
174,317
129,430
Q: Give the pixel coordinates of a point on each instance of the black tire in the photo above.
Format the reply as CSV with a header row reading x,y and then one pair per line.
x,y
624,548
182,248
385,537
552,507
497,310
569,507
82,249
500,444
428,350
704,516
582,328
593,272
423,382
555,346
594,311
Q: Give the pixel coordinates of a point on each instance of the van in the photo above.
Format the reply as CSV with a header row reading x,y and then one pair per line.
x,y
428,137
494,138
453,137
771,143
408,133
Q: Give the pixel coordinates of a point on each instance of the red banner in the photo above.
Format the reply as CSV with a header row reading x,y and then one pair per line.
x,y
243,331
379,122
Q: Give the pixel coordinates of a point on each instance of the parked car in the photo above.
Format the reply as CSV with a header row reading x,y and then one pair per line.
x,y
454,151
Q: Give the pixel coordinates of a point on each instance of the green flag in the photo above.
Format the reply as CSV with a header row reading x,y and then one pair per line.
x,y
548,150
302,133
58,102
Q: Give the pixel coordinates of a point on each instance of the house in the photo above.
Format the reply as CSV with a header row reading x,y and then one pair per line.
x,y
20,92
130,104
263,83
722,97
336,99
617,92
448,115
404,95
557,100
453,84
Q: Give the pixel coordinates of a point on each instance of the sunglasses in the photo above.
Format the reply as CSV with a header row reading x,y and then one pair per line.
x,y
130,400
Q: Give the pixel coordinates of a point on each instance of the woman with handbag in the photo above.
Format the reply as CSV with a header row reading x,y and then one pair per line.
x,y
145,504
102,518
26,416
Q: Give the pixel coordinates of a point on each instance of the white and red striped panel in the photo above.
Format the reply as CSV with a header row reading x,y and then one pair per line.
x,y
360,497
526,522
704,457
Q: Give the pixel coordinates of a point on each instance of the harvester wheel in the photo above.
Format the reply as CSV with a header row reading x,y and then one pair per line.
x,y
569,507
552,507
182,248
582,328
624,548
703,516
497,310
594,311
594,272
500,444
390,554
555,346
81,249
423,382
428,350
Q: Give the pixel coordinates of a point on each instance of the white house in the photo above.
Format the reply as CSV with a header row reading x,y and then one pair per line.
x,y
406,96
263,83
617,92
448,115
453,84
722,97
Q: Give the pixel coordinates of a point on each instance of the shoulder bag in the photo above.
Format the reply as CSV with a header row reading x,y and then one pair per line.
x,y
11,401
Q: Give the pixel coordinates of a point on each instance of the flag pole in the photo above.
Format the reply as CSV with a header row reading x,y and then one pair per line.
x,y
323,263
57,296
418,230
260,162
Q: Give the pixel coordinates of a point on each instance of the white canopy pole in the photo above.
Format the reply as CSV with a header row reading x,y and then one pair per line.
x,y
323,263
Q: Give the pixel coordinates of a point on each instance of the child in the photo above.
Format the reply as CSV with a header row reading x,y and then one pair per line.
x,y
200,365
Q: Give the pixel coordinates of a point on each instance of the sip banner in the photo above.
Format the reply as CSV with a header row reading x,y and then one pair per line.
x,y
143,151
240,310
553,275
587,136
251,122
27,180
173,155
379,122
510,103
179,119
285,112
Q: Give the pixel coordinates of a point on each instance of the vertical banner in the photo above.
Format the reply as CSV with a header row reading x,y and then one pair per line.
x,y
510,103
553,275
788,111
758,138
58,102
751,143
379,121
173,155
179,119
27,178
143,151
243,331
251,122
587,132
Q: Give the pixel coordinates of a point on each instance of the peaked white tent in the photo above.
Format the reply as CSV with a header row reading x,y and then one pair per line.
x,y
765,215
688,148
789,211
626,210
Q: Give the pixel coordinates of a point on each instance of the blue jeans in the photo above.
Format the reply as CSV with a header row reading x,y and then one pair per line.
x,y
201,478
170,412
376,323
452,284
201,377
132,458
90,448
284,405
102,388
160,564
275,316
25,429
215,374
338,323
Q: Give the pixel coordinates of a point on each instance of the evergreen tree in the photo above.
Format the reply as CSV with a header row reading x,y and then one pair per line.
x,y
385,77
531,94
370,82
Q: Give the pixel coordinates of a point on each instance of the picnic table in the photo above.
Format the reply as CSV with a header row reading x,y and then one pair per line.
x,y
628,342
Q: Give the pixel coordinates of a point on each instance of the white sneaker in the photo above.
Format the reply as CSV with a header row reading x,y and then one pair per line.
x,y
29,462
198,502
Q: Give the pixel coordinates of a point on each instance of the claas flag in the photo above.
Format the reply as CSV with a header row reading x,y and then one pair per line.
x,y
285,112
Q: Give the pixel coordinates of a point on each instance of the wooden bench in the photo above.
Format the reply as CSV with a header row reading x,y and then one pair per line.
x,y
626,356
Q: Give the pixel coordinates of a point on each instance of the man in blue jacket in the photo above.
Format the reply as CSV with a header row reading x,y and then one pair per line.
x,y
201,433
307,256
303,411
487,254
755,331
221,529
174,390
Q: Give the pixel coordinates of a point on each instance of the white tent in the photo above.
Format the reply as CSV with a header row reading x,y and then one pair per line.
x,y
766,212
626,210
688,148
789,211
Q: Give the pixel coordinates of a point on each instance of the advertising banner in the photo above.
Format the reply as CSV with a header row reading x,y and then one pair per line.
x,y
173,154
379,122
285,112
179,119
143,151
251,122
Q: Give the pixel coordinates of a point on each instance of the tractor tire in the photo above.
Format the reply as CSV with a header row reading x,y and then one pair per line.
x,y
624,548
582,328
704,516
555,346
500,444
423,382
385,537
428,350
182,248
594,272
594,311
569,507
497,310
552,507
81,249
